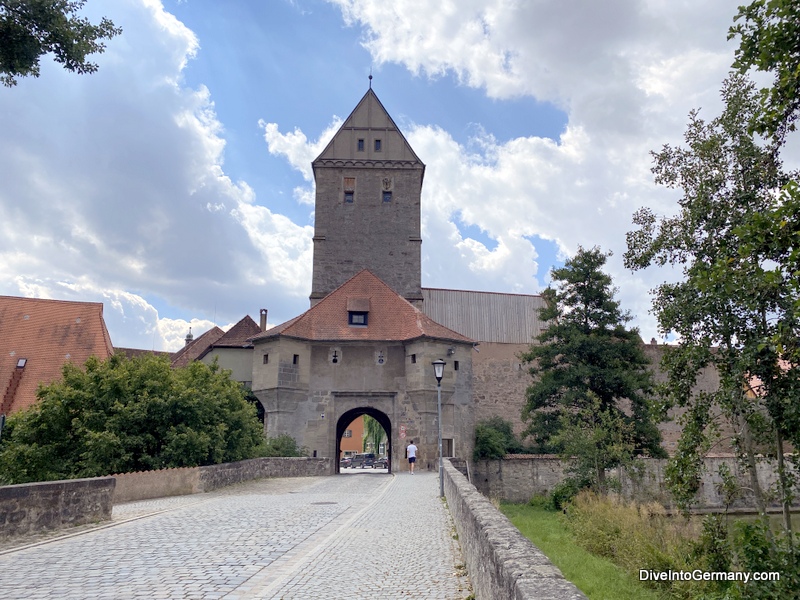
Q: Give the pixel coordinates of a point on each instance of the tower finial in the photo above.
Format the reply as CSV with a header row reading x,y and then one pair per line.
x,y
370,78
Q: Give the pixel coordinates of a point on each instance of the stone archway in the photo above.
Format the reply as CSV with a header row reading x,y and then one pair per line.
x,y
354,413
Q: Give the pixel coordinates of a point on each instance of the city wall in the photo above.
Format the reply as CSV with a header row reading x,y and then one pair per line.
x,y
517,478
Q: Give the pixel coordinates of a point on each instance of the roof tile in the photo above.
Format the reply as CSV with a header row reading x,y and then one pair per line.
x,y
391,317
47,333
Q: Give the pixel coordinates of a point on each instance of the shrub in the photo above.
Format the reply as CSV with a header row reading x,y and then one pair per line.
x,y
641,536
284,445
122,415
564,492
494,438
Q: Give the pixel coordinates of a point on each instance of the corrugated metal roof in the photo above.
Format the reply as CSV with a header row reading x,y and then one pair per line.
x,y
485,316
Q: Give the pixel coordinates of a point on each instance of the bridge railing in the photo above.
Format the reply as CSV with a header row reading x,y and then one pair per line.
x,y
501,562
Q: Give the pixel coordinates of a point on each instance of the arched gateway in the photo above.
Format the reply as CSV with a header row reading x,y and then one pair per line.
x,y
349,416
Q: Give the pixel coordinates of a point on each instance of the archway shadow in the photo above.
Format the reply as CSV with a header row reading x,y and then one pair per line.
x,y
353,414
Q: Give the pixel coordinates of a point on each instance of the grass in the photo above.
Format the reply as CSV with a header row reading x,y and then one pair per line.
x,y
598,578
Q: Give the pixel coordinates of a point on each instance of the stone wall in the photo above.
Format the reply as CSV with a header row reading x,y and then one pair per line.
x,y
31,507
517,478
214,477
501,562
142,485
499,382
196,480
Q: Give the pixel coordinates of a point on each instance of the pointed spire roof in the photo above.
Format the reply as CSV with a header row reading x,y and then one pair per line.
x,y
390,316
369,122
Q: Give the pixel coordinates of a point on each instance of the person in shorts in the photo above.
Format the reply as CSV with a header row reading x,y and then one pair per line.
x,y
411,452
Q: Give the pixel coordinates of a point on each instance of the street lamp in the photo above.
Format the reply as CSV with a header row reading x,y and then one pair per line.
x,y
438,372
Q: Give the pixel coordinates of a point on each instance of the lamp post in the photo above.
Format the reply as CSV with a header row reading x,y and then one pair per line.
x,y
438,372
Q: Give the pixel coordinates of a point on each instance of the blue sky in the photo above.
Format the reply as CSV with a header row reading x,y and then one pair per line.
x,y
174,184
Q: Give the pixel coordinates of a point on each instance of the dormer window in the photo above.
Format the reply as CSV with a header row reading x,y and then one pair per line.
x,y
357,318
357,311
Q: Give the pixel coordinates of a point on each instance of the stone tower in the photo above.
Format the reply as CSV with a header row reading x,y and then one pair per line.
x,y
369,183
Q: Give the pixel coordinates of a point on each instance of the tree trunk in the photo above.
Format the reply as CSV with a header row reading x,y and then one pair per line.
x,y
785,492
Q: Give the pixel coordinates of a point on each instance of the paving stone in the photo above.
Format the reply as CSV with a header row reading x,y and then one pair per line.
x,y
348,536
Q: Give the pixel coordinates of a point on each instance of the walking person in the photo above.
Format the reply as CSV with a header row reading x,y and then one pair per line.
x,y
411,453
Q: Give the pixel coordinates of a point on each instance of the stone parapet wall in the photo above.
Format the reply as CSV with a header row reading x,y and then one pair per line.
x,y
196,480
143,485
31,507
213,477
517,478
501,562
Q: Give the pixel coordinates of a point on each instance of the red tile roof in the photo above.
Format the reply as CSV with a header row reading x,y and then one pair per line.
x,y
136,352
196,348
391,317
47,333
238,335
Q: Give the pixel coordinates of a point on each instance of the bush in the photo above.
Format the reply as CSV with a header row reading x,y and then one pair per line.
x,y
564,492
641,536
494,438
284,445
122,415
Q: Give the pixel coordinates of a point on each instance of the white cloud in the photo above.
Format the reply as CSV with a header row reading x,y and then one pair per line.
x,y
295,146
120,175
626,72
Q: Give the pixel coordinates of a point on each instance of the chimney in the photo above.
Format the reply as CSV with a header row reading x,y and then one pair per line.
x,y
263,319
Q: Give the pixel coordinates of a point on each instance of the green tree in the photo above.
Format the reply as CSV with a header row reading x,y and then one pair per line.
x,y
592,439
737,297
374,434
122,415
284,445
770,38
589,370
32,28
494,438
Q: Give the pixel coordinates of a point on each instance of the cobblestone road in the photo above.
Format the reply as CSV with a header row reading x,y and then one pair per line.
x,y
348,536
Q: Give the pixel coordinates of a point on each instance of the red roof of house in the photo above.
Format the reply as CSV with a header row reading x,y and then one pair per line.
x,y
47,333
196,348
239,335
390,316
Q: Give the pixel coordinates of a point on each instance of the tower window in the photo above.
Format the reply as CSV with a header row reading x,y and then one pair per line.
x,y
357,318
455,365
360,145
266,359
377,145
387,196
295,359
349,185
413,358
